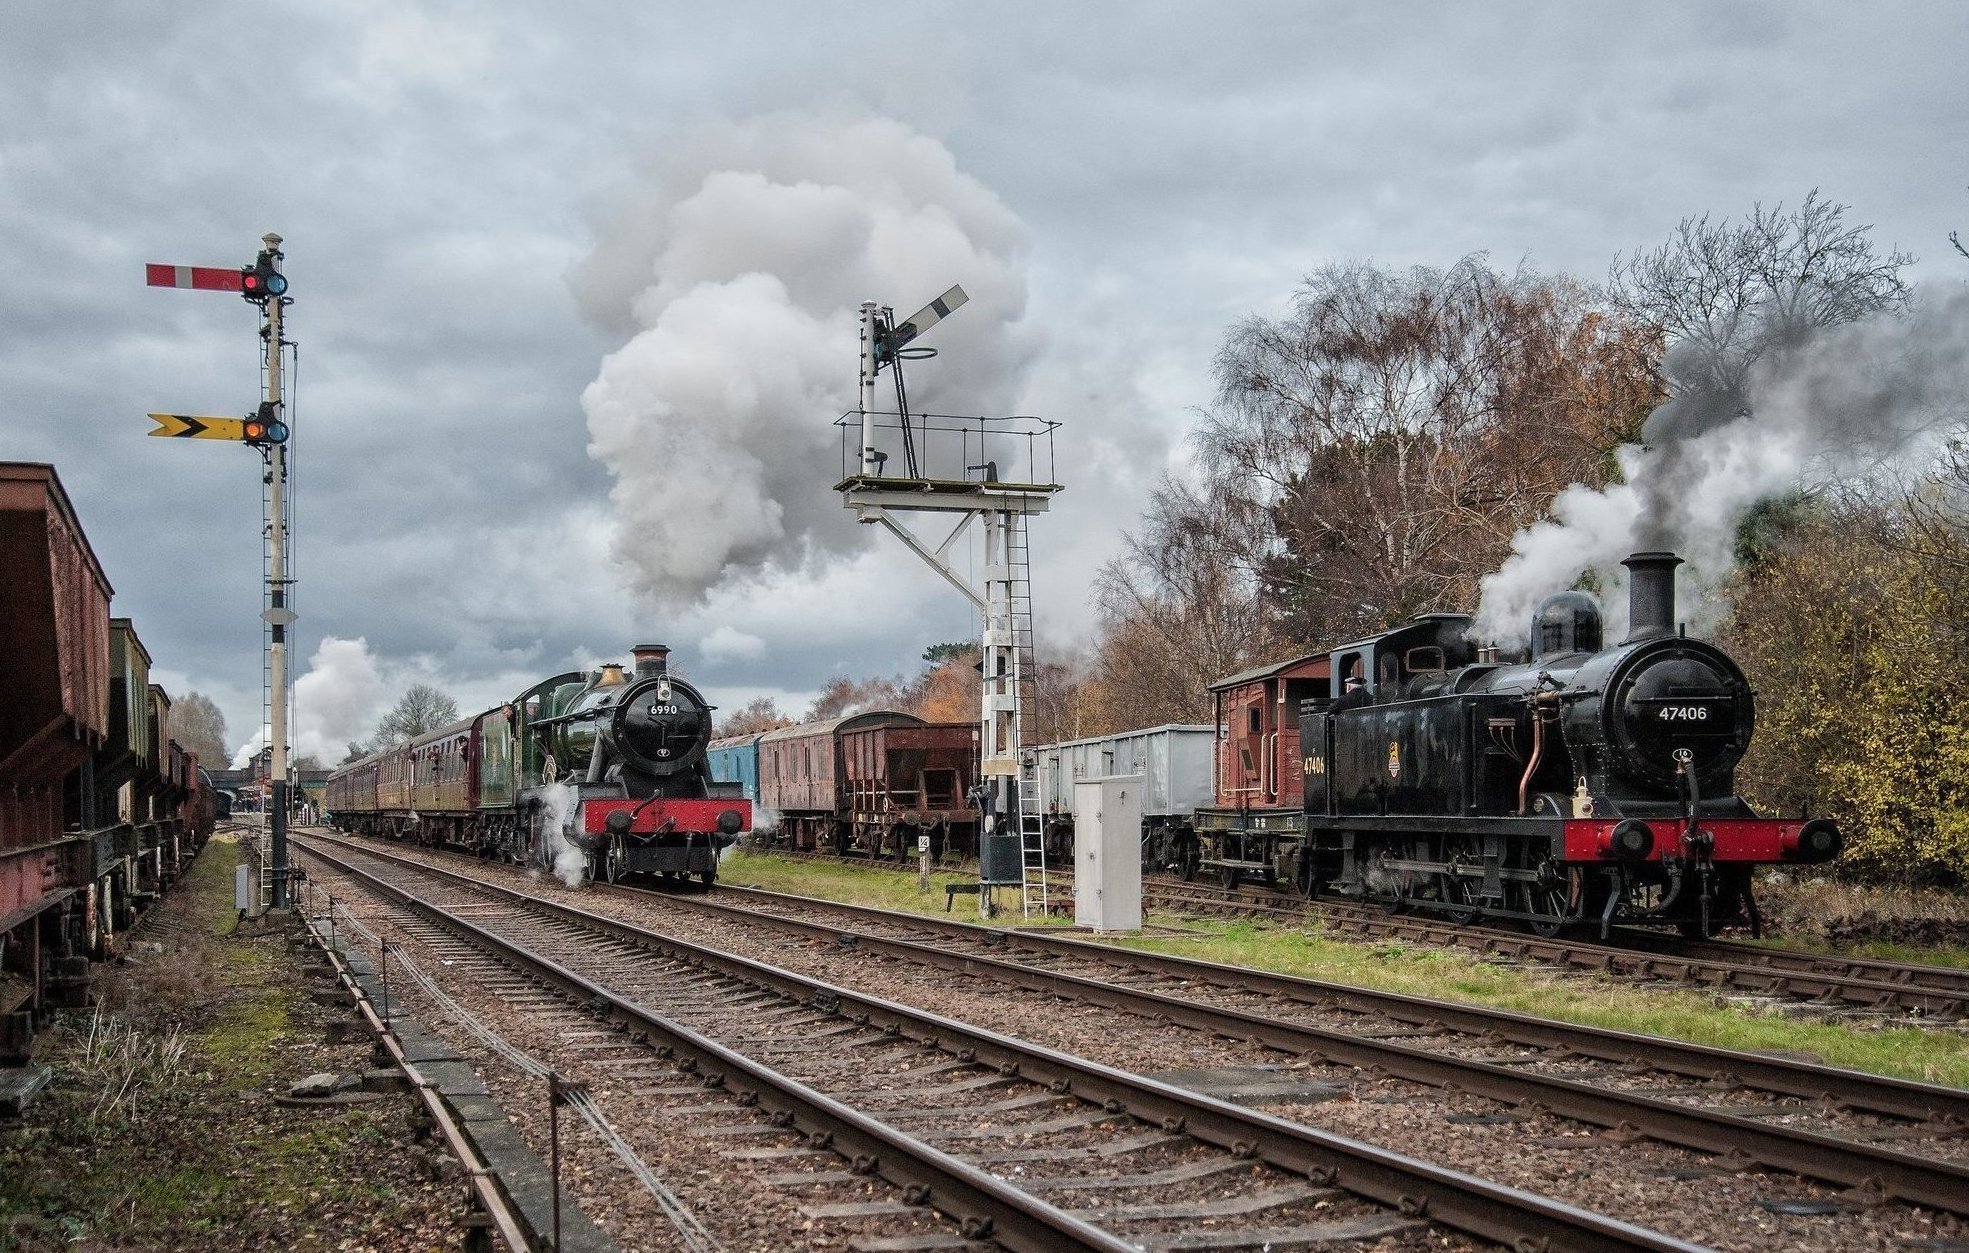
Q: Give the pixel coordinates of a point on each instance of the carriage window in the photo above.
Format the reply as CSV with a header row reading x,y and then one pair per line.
x,y
1257,719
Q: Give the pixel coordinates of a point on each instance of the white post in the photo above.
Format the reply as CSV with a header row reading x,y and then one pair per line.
x,y
277,614
867,386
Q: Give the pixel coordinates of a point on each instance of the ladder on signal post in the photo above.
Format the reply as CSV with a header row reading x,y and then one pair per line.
x,y
1032,848
1033,887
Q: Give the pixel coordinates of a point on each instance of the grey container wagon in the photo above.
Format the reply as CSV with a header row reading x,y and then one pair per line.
x,y
1174,761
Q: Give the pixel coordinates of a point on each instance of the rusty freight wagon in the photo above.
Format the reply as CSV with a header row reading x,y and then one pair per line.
x,y
54,667
871,783
910,781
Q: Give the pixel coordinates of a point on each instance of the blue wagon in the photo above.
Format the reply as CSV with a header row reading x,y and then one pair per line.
x,y
736,760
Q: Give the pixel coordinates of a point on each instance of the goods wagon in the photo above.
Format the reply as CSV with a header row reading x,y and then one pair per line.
x,y
99,807
872,783
1174,762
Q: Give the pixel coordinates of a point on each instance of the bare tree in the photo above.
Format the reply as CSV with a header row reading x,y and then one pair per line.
x,y
759,714
1383,441
422,709
843,696
199,727
1724,294
1180,606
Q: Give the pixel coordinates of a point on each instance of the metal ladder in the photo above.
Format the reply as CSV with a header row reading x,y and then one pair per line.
x,y
1034,896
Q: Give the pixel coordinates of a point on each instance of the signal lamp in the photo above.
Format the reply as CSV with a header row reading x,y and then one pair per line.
x,y
265,426
260,282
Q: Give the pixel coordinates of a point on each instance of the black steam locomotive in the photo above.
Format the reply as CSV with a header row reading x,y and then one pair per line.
x,y
632,789
597,775
1587,784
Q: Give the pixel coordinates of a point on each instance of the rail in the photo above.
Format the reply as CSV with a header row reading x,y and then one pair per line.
x,y
984,1204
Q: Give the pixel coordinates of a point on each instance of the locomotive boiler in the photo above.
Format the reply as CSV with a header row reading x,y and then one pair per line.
x,y
1587,784
626,782
593,775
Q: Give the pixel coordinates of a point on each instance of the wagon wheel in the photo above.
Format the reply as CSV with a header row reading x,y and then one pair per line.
x,y
1230,877
1306,876
1190,861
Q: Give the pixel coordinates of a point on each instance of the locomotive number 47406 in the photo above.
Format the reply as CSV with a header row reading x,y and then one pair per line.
x,y
1682,713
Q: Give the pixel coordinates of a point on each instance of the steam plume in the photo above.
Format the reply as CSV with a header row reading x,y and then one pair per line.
x,y
737,273
1870,396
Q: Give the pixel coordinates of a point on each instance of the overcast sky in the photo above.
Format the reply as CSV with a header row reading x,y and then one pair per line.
x,y
575,286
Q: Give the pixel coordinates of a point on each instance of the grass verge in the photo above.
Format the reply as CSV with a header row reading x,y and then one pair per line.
x,y
159,1131
1874,1045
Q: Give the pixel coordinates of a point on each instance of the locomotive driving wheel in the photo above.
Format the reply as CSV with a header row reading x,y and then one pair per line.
x,y
1545,899
1395,899
1454,889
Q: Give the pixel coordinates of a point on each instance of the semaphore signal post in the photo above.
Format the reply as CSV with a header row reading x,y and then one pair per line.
x,y
265,428
997,471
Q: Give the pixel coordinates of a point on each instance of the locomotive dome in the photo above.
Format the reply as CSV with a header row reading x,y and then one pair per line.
x,y
1566,622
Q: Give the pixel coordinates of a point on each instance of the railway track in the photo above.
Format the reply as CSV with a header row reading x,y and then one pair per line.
x,y
944,1111
1731,1112
1924,994
1605,1078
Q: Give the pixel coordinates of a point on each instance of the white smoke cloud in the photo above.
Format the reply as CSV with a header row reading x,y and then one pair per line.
x,y
740,270
553,822
338,700
728,643
1872,397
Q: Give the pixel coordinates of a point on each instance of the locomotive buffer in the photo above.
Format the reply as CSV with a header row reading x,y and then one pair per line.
x,y
950,465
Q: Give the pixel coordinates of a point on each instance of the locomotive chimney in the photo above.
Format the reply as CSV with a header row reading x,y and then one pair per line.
x,y
651,659
1650,595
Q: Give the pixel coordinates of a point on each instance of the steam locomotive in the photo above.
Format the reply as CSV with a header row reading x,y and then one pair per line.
x,y
1587,784
596,775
